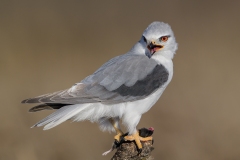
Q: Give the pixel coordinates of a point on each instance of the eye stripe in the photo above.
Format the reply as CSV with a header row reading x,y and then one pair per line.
x,y
145,40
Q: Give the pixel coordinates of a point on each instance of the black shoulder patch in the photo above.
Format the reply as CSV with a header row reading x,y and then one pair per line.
x,y
157,78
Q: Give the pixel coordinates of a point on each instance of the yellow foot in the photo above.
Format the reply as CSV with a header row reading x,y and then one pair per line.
x,y
135,137
118,137
143,139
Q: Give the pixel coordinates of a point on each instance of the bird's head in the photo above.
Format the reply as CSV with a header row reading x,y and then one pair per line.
x,y
158,39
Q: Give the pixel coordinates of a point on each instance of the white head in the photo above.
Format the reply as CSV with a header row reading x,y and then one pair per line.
x,y
158,39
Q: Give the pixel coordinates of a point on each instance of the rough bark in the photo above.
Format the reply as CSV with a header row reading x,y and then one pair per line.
x,y
128,151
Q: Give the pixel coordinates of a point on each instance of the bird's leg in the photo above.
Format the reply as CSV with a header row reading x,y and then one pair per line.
x,y
119,133
118,137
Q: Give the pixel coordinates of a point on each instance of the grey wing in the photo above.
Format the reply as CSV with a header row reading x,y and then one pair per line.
x,y
123,78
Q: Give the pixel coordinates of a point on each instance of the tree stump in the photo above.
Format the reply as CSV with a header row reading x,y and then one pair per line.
x,y
128,151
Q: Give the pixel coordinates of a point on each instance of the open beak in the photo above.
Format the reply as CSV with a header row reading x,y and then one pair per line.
x,y
154,48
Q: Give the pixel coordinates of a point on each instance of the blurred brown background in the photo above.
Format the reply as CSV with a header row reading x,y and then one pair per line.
x,y
47,46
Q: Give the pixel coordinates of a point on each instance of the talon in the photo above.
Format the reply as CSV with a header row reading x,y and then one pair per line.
x,y
116,142
122,137
139,151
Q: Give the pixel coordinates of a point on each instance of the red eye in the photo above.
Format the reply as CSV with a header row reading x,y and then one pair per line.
x,y
164,38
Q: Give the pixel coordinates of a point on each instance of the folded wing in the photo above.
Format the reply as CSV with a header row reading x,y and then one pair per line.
x,y
122,79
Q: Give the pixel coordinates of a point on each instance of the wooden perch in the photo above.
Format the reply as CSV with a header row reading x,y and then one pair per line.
x,y
128,151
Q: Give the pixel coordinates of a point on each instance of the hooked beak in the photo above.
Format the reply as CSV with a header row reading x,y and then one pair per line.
x,y
154,47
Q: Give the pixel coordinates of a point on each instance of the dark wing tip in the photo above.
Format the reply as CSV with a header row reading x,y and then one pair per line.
x,y
35,125
25,101
34,109
40,108
31,100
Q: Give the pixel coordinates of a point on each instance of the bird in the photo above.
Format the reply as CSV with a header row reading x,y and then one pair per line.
x,y
120,91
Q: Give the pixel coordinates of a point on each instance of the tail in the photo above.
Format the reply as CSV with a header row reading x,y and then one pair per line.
x,y
47,106
61,115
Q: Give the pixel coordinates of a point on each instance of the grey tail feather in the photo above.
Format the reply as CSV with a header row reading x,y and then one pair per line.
x,y
60,116
47,106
